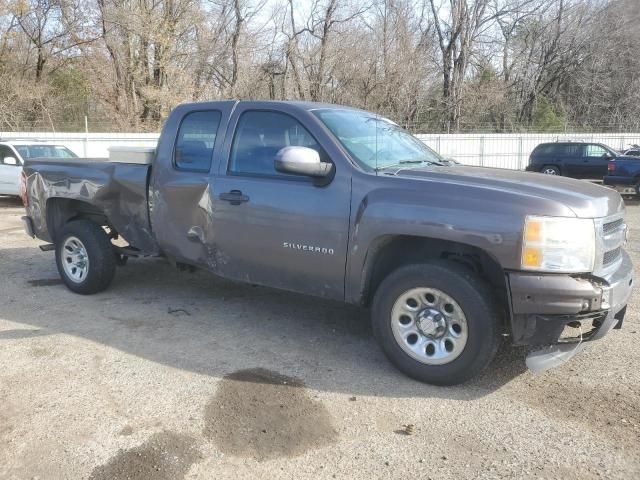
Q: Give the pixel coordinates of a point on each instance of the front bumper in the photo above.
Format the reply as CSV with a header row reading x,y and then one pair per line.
x,y
545,307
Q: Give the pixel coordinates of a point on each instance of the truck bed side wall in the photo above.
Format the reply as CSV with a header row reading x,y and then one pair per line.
x,y
117,190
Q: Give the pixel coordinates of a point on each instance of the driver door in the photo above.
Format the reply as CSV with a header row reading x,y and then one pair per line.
x,y
276,229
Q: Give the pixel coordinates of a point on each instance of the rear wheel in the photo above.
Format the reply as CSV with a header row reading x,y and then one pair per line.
x,y
85,258
550,170
436,322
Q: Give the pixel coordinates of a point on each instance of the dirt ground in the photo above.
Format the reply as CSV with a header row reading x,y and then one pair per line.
x,y
172,375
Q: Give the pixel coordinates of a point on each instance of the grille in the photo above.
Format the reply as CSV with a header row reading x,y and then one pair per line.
x,y
611,226
611,256
609,243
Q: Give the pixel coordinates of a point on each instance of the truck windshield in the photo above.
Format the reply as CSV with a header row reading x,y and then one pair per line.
x,y
375,142
44,151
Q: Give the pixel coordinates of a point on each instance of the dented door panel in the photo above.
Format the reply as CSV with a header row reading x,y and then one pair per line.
x,y
181,201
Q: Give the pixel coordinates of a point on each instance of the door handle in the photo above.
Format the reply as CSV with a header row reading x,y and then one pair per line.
x,y
235,197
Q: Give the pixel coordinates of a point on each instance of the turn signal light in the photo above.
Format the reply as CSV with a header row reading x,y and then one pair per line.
x,y
531,257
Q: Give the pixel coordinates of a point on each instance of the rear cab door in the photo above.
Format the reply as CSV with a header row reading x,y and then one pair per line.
x,y
181,188
571,158
282,230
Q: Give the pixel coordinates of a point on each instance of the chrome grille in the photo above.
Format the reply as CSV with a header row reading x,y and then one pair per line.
x,y
611,256
610,240
611,226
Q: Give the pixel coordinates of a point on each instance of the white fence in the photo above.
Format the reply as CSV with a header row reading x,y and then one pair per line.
x,y
512,150
489,150
91,145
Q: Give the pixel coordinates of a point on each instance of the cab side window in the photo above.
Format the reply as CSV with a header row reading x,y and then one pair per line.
x,y
569,150
260,135
196,139
544,150
595,151
4,153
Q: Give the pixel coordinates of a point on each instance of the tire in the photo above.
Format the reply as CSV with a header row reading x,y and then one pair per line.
x,y
463,291
550,170
85,246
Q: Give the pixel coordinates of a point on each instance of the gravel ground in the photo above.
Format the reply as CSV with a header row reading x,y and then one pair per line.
x,y
169,375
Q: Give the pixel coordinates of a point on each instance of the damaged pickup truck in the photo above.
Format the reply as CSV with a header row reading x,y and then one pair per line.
x,y
342,204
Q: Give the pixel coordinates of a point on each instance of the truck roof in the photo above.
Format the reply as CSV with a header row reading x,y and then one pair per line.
x,y
303,105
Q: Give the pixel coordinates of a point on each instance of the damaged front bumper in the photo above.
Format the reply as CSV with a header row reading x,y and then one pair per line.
x,y
557,315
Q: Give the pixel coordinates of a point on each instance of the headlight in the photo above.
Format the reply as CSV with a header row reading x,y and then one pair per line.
x,y
557,244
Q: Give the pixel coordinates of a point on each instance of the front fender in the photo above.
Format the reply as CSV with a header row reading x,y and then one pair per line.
x,y
491,222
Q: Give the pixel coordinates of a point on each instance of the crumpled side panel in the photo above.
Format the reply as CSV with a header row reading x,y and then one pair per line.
x,y
117,189
182,218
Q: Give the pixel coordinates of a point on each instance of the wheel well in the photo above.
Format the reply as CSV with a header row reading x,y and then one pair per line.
x,y
555,165
393,252
63,210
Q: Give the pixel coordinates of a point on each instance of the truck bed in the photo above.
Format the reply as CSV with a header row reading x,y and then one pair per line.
x,y
118,190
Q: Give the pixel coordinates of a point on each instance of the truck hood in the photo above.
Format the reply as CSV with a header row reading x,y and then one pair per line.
x,y
585,199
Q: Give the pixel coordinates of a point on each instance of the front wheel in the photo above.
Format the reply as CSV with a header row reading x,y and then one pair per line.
x,y
436,322
85,258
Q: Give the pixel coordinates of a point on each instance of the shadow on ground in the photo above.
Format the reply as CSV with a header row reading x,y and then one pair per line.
x,y
204,324
10,202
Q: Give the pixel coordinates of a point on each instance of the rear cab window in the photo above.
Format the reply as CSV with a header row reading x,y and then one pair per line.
x,y
196,138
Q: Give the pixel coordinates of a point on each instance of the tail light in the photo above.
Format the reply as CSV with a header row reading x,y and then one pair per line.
x,y
611,167
23,189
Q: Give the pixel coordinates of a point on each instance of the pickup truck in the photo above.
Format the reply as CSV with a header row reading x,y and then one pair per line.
x,y
343,204
623,173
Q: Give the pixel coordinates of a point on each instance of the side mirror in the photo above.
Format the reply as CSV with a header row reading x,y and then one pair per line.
x,y
301,161
10,161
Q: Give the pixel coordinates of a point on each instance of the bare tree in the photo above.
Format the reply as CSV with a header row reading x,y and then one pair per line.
x,y
427,64
457,28
52,27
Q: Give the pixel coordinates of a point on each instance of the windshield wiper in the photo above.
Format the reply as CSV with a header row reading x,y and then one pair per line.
x,y
409,162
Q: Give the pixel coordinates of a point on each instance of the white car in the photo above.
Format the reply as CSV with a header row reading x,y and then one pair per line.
x,y
13,155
